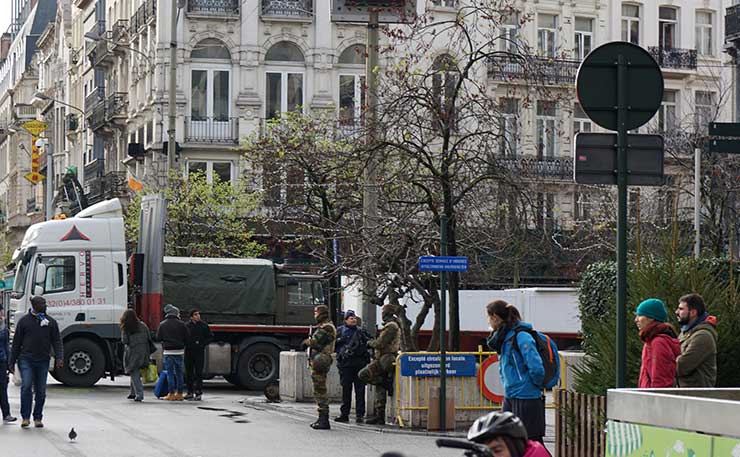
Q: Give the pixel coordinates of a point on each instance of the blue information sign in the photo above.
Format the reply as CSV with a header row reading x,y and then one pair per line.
x,y
443,263
428,364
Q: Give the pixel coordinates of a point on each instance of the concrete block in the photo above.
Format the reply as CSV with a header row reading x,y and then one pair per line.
x,y
570,359
295,379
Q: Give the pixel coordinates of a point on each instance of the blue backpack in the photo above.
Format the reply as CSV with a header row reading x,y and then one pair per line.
x,y
548,351
160,387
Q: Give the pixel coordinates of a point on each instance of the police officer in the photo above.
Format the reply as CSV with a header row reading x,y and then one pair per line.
x,y
380,371
321,347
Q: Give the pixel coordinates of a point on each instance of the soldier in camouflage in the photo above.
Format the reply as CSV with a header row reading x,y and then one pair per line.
x,y
380,371
321,347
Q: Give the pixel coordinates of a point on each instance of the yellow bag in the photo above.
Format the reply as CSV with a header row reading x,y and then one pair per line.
x,y
149,374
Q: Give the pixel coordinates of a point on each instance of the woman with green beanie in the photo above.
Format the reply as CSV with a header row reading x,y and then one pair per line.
x,y
661,347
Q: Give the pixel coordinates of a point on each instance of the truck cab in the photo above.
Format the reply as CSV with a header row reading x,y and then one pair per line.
x,y
78,265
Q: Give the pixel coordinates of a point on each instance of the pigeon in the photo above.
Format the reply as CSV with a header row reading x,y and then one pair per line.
x,y
72,434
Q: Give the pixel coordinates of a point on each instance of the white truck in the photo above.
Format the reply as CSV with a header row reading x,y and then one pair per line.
x,y
255,307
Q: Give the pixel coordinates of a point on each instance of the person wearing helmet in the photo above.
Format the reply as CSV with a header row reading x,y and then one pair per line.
x,y
505,436
321,344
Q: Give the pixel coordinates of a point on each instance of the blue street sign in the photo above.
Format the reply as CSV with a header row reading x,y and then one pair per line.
x,y
428,365
443,263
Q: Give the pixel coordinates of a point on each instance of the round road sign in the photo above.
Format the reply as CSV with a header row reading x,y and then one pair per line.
x,y
489,379
596,85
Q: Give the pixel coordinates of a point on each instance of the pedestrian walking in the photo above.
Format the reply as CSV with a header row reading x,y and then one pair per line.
x,y
505,435
321,347
4,369
697,364
200,336
660,345
520,366
36,337
352,356
137,342
173,333
379,372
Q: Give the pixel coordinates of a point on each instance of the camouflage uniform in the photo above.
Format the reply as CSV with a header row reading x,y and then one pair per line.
x,y
378,372
321,344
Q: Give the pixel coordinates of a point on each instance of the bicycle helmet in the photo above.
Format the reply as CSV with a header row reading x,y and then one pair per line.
x,y
495,424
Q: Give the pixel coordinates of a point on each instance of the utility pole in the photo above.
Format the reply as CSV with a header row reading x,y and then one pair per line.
x,y
49,179
173,87
697,202
370,194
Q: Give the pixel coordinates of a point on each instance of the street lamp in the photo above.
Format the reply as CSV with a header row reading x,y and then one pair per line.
x,y
50,151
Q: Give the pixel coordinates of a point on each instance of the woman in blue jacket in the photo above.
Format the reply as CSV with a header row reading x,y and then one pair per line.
x,y
521,369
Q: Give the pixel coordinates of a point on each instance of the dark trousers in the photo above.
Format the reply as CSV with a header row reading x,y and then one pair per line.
x,y
4,404
532,414
33,387
194,360
349,379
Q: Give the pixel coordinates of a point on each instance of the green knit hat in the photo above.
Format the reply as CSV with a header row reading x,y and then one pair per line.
x,y
653,308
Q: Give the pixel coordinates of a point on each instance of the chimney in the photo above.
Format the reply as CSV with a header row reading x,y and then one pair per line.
x,y
5,41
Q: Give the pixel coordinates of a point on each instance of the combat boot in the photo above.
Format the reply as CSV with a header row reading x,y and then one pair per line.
x,y
375,420
322,423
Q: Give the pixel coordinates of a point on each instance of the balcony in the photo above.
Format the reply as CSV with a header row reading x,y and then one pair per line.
x,y
298,9
24,112
533,167
732,23
103,56
535,70
110,185
106,114
119,32
214,7
674,58
93,98
116,108
211,130
143,16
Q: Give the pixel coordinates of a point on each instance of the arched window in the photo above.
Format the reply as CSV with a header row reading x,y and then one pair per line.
x,y
284,51
210,93
353,55
283,79
444,83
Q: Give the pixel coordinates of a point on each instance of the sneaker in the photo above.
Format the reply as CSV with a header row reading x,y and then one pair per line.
x,y
38,424
189,397
178,397
342,419
169,397
131,396
9,419
139,399
360,420
198,397
25,423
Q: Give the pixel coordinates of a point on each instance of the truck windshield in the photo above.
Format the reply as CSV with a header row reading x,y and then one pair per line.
x,y
21,273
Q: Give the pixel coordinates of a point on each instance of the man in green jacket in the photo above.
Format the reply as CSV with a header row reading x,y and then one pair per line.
x,y
697,364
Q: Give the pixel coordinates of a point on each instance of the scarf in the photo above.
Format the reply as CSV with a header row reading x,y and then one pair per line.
x,y
496,339
699,320
654,329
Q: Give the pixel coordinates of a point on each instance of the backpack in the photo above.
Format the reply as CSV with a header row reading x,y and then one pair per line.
x,y
548,351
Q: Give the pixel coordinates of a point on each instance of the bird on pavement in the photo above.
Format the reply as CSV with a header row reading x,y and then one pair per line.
x,y
72,434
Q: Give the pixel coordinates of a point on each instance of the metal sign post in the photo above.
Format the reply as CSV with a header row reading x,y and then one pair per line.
x,y
621,220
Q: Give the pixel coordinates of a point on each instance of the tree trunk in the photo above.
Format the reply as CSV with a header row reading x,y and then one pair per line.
x,y
407,342
430,301
453,343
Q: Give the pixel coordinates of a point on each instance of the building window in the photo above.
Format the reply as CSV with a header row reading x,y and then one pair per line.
x,y
509,34
704,105
631,23
509,127
545,217
210,98
284,86
667,113
667,27
582,205
210,93
222,170
581,122
584,37
546,133
704,45
547,25
352,85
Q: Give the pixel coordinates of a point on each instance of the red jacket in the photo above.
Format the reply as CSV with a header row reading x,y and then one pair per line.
x,y
535,449
659,353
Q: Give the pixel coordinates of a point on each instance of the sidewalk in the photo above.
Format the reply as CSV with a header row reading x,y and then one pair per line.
x,y
308,410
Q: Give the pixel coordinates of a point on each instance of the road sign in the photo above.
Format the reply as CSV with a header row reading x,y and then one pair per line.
x,y
34,127
596,84
489,379
730,146
595,159
424,365
389,11
34,177
443,263
724,129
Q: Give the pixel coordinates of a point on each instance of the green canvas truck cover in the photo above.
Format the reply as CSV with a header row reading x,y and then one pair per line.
x,y
236,287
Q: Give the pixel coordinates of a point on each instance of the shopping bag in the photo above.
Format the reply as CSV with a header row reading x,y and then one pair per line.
x,y
17,380
149,374
161,388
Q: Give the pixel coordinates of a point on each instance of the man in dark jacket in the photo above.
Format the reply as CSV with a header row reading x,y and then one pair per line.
x,y
200,336
36,336
173,333
352,356
697,364
4,369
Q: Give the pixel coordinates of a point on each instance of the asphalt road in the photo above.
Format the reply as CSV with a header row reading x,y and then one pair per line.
x,y
222,425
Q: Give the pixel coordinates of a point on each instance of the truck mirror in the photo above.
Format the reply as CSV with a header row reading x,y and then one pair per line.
x,y
40,273
38,290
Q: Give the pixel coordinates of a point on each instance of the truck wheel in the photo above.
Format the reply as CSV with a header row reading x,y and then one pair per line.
x,y
258,366
84,364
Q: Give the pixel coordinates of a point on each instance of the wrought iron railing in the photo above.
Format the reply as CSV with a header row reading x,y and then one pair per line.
x,y
116,105
119,32
96,116
145,13
536,69
25,111
103,48
295,8
93,98
212,130
217,7
528,166
110,185
732,23
674,57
